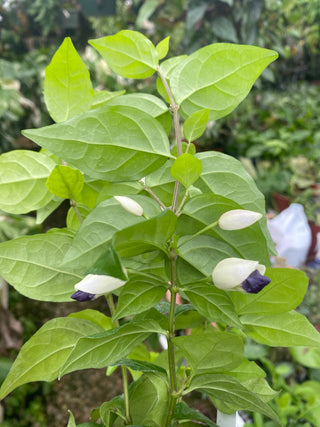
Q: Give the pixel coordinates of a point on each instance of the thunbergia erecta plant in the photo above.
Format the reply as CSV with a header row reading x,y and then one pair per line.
x,y
150,220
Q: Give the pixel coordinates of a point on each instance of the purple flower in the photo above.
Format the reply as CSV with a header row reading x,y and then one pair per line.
x,y
255,282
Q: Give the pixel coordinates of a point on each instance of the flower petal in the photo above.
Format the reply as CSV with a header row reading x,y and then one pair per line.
x,y
237,219
82,296
99,284
231,272
255,282
130,205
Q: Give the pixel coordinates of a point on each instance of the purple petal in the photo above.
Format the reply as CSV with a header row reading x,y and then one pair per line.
x,y
255,282
82,296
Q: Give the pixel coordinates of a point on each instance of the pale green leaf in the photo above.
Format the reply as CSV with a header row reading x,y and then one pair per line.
x,y
23,176
73,220
65,182
167,68
67,86
195,125
306,356
284,293
163,48
128,53
212,303
106,348
281,330
113,143
227,349
218,77
45,211
71,421
146,10
140,293
46,351
32,265
186,169
102,96
94,316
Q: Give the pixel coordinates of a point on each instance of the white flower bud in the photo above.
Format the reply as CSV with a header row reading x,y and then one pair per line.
x,y
130,205
230,273
237,219
99,284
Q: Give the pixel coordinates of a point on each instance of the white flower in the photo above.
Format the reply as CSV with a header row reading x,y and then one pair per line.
x,y
130,205
94,285
237,219
240,274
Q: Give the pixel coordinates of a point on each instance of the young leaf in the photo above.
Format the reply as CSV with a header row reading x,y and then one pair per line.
x,y
46,351
227,389
106,348
128,53
65,182
198,350
163,48
140,293
67,86
281,330
92,142
212,303
108,410
273,298
186,169
94,316
23,176
32,265
195,125
71,421
218,77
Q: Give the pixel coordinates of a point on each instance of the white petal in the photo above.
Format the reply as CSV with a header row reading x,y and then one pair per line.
x,y
99,284
231,272
130,205
237,219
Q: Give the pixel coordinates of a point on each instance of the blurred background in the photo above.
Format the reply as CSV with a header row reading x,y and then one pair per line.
x,y
275,132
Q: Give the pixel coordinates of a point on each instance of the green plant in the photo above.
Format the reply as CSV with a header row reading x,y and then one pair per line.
x,y
150,220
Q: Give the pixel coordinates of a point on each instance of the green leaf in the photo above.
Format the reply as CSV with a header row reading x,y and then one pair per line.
x,y
163,48
218,77
140,293
246,370
46,351
108,410
108,264
146,236
71,421
281,330
149,400
23,176
223,28
167,68
199,349
212,303
195,125
128,53
273,298
32,265
100,97
182,412
145,11
94,316
73,221
67,86
227,389
141,366
205,209
306,356
93,143
45,211
108,347
65,182
226,176
186,169
96,231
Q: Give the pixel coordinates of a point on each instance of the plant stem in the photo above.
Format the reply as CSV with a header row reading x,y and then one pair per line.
x,y
203,230
176,121
154,196
123,368
73,203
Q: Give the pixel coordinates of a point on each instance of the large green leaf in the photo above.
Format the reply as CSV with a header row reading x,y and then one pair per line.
x,y
226,176
113,143
46,351
67,86
218,77
281,330
284,293
32,265
106,348
140,293
228,390
128,53
23,176
97,229
203,210
211,351
146,236
211,302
